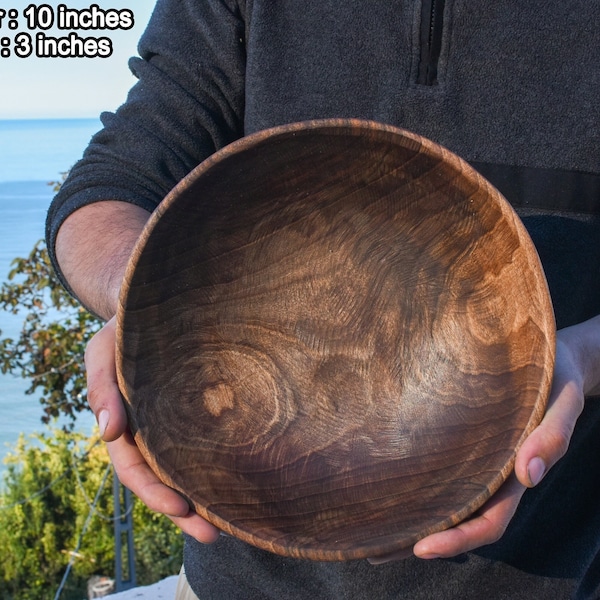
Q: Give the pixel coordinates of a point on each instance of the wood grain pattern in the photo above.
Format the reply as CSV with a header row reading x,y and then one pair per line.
x,y
332,338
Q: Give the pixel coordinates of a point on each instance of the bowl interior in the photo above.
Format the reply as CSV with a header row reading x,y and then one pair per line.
x,y
332,338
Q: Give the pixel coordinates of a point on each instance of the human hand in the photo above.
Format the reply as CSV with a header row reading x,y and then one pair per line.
x,y
576,374
107,404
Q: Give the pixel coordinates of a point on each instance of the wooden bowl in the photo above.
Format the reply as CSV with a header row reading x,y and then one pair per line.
x,y
333,336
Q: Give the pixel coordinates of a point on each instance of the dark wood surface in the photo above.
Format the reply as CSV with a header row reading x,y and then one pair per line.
x,y
332,338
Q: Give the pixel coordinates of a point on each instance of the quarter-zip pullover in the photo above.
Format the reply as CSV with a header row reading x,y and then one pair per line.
x,y
514,88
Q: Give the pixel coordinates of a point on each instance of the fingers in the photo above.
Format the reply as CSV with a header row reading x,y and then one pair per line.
x,y
197,527
134,473
107,404
550,440
103,392
485,527
540,451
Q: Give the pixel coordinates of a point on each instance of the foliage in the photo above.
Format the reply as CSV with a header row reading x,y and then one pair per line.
x,y
38,535
56,329
52,480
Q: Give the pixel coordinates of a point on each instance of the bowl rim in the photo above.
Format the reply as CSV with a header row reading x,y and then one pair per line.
x,y
354,127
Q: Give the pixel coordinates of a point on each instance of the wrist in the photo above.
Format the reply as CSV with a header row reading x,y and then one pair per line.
x,y
582,344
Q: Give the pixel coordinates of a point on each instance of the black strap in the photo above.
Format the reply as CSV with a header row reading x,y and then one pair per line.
x,y
544,189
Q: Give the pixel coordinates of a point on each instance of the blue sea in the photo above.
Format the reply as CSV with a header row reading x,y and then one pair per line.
x,y
32,154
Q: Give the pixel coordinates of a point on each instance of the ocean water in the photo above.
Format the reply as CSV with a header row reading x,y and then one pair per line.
x,y
32,153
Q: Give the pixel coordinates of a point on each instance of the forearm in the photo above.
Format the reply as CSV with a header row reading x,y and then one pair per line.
x,y
93,247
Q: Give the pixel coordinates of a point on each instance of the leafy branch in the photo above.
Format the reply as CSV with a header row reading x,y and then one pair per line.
x,y
48,350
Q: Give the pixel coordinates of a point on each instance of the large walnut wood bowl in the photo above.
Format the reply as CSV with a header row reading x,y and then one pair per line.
x,y
333,336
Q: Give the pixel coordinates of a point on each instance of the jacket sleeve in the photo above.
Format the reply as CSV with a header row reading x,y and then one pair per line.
x,y
188,102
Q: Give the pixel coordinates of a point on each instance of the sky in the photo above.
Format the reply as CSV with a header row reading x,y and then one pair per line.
x,y
33,87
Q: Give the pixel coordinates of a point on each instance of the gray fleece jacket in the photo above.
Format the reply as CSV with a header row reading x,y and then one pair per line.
x,y
513,87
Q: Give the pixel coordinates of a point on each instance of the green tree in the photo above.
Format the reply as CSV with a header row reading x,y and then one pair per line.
x,y
55,484
51,480
43,508
56,329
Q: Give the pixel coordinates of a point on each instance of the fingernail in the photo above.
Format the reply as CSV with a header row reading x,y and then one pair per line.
x,y
103,418
536,470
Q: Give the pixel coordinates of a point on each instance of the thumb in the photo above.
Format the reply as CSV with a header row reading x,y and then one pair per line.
x,y
550,440
103,392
